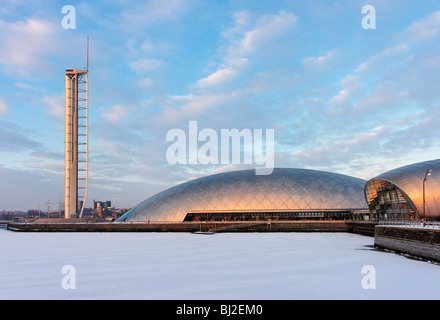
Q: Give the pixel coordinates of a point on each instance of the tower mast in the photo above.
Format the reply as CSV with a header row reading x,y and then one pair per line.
x,y
87,135
76,140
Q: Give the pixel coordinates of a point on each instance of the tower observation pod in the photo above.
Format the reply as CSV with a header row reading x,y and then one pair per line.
x,y
76,142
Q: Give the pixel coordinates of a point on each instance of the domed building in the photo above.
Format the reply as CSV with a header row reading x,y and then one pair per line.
x,y
286,194
398,193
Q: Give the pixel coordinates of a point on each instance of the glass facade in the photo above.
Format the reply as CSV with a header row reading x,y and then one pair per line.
x,y
386,201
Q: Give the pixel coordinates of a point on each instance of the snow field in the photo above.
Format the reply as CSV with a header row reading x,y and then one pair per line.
x,y
267,266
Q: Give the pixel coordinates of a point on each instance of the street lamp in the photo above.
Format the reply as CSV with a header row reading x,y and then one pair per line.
x,y
428,173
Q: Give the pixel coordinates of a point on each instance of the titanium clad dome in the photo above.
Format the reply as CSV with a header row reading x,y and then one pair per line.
x,y
243,191
404,187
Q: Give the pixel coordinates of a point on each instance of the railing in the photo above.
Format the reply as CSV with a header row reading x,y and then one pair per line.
x,y
429,224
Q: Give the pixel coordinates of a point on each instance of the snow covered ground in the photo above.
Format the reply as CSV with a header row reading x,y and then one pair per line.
x,y
221,266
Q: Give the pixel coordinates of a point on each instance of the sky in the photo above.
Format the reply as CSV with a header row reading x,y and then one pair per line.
x,y
339,97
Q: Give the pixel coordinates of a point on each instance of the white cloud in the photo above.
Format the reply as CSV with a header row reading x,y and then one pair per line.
x,y
386,108
189,107
425,29
268,27
55,107
351,86
340,98
25,44
341,154
146,82
150,46
4,109
146,13
146,65
315,62
418,33
218,77
266,30
233,69
15,138
392,52
245,37
116,113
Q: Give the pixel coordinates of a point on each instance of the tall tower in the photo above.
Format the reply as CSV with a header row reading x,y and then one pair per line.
x,y
76,141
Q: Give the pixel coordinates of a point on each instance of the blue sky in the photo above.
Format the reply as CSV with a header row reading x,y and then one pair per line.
x,y
340,98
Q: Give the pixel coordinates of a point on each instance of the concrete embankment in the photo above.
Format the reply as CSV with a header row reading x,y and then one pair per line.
x,y
365,228
291,226
418,242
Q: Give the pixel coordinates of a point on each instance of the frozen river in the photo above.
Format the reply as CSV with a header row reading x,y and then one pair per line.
x,y
220,266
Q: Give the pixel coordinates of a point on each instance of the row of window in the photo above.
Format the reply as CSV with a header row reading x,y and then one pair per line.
x,y
264,216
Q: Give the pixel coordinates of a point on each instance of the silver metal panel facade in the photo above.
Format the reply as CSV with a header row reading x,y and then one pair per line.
x,y
409,180
244,191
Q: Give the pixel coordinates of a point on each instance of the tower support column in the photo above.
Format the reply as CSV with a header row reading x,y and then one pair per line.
x,y
72,80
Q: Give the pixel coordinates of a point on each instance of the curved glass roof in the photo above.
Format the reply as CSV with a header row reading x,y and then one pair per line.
x,y
409,180
244,191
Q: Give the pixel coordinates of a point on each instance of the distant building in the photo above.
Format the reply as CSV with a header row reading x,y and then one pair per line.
x,y
102,204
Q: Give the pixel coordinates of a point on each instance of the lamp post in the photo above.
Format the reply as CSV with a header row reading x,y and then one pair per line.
x,y
428,173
